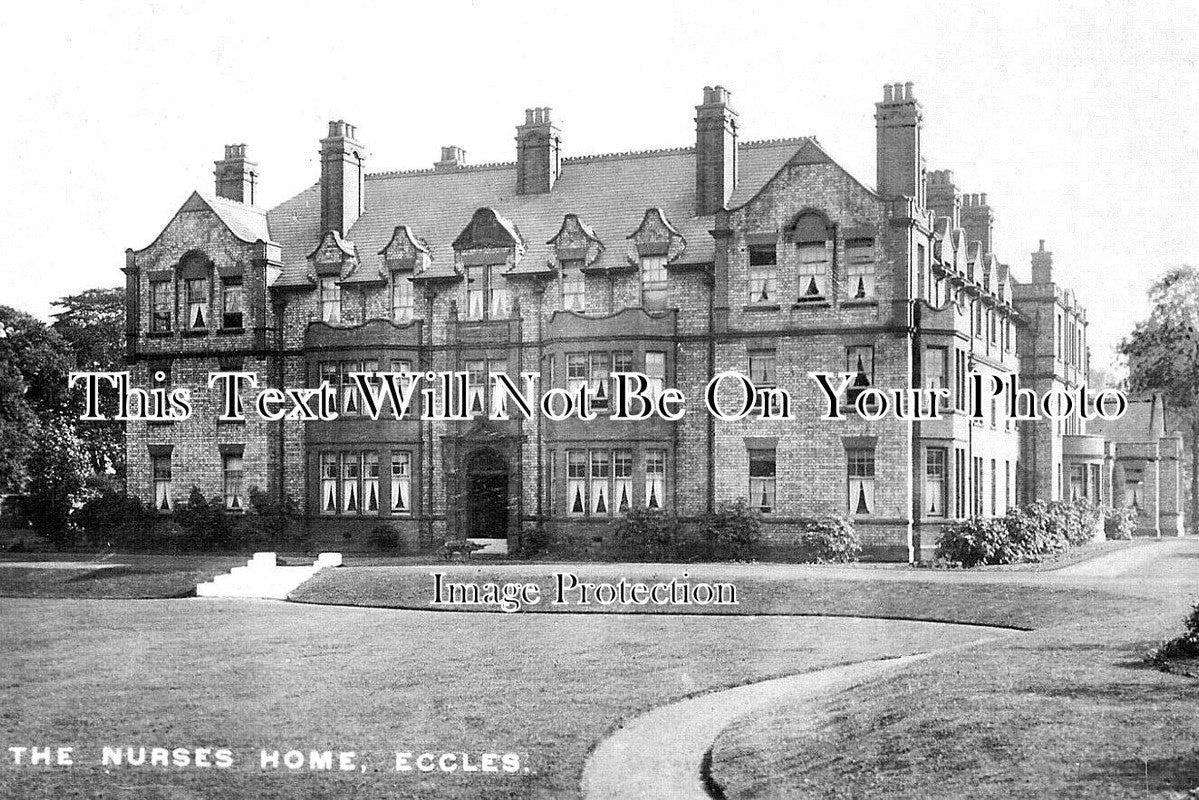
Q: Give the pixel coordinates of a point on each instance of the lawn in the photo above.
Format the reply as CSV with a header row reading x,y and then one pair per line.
x,y
250,675
135,576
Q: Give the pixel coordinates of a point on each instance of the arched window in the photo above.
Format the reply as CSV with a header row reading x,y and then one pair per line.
x,y
195,276
812,235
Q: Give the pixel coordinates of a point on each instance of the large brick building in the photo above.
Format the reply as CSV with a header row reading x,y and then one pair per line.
x,y
766,258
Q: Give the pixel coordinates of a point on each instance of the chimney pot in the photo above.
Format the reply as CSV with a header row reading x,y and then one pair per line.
x,y
528,116
907,91
887,97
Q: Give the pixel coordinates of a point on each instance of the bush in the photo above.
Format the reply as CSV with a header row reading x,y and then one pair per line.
x,y
646,534
384,537
113,518
1119,523
1184,646
732,531
1025,534
205,522
831,539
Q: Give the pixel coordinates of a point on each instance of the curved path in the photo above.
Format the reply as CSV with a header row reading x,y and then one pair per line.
x,y
662,753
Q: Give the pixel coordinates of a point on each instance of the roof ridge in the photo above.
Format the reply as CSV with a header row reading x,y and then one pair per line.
x,y
395,173
780,140
230,201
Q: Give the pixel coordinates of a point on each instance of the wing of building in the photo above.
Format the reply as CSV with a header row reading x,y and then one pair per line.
x,y
765,258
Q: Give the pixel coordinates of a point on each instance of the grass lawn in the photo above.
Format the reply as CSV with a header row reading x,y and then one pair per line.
x,y
139,576
783,591
251,675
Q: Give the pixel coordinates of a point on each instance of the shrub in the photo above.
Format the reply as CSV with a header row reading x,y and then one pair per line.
x,y
205,522
1119,522
1024,534
113,518
384,537
732,531
646,534
1184,646
828,539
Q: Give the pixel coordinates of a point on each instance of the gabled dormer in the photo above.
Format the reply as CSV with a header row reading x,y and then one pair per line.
x,y
486,249
655,244
405,256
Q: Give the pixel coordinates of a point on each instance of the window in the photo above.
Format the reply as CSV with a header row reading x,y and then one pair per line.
x,y
601,366
762,480
497,292
401,297
994,488
231,303
933,367
160,305
197,302
1078,481
655,478
576,373
762,373
976,499
763,273
926,287
476,278
978,318
959,482
161,470
622,361
349,387
328,375
861,481
934,482
655,370
813,270
860,361
476,386
351,476
959,379
653,282
401,483
499,400
370,483
601,474
574,286
859,253
576,482
550,459
328,483
1007,485
622,472
329,298
232,467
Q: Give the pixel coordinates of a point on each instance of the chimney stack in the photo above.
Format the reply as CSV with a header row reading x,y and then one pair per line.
x,y
452,157
343,174
900,165
236,177
978,220
942,196
538,153
715,151
1042,265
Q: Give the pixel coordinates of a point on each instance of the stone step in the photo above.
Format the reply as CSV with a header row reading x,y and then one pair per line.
x,y
263,577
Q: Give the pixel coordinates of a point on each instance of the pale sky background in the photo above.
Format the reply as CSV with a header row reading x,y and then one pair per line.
x,y
1077,119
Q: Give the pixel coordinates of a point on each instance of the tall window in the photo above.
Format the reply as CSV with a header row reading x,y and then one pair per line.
x,y
231,303
861,481
860,361
328,483
161,301
959,379
762,480
161,470
574,286
763,273
653,282
813,270
329,298
655,478
476,291
476,386
234,500
601,474
576,373
976,499
933,367
497,293
486,292
401,297
622,361
349,387
622,473
576,482
959,482
934,482
370,483
860,269
401,483
600,368
197,302
994,488
655,370
1078,481
762,373
351,476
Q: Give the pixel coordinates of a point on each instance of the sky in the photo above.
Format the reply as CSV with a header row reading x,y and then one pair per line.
x,y
1077,119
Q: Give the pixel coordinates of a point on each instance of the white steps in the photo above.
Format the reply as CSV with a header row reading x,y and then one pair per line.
x,y
263,577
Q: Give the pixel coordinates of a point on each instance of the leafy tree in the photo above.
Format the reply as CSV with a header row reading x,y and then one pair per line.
x,y
41,356
58,480
16,426
92,323
1163,355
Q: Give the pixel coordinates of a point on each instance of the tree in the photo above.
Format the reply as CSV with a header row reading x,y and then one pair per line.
x,y
1163,355
17,423
92,323
58,475
41,356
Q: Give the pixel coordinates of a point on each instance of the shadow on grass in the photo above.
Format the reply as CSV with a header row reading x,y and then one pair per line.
x,y
111,572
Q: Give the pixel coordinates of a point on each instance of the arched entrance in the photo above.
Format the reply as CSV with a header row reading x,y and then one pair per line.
x,y
486,495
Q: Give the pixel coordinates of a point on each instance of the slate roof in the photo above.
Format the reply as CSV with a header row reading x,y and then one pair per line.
x,y
610,194
1142,422
248,223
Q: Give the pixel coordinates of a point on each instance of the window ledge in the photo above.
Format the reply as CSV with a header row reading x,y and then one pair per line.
x,y
815,302
230,331
160,335
194,333
762,307
859,303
